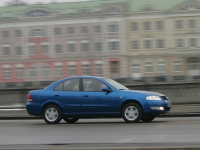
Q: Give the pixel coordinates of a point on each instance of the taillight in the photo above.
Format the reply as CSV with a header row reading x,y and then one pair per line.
x,y
29,98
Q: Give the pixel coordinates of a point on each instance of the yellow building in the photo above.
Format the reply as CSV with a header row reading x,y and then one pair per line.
x,y
163,40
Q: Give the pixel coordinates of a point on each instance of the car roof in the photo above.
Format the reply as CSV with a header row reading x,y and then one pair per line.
x,y
95,77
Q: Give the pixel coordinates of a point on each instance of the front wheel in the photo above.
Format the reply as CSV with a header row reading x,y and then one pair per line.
x,y
148,118
52,114
132,113
70,119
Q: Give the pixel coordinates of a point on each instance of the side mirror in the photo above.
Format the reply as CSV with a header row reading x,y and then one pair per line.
x,y
105,89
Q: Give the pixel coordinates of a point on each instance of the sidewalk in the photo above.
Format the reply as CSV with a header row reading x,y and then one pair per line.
x,y
186,110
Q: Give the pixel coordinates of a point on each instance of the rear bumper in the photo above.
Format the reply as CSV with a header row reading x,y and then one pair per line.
x,y
33,109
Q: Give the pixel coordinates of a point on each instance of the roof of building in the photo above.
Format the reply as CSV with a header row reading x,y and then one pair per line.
x,y
61,8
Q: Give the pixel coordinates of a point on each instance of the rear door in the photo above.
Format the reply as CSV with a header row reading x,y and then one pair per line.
x,y
68,95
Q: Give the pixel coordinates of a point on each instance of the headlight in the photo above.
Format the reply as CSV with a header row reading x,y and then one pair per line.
x,y
153,98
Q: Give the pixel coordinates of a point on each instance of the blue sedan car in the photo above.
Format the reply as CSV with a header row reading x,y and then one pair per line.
x,y
89,96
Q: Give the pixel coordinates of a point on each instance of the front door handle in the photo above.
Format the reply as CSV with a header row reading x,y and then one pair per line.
x,y
85,95
56,95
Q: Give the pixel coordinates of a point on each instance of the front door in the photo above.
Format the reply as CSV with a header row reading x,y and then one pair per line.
x,y
94,100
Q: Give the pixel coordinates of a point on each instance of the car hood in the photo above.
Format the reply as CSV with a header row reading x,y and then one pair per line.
x,y
145,92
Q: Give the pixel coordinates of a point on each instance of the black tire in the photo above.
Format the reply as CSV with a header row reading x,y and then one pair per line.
x,y
148,118
70,119
133,116
52,114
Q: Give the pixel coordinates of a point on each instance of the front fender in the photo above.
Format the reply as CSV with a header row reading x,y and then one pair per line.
x,y
125,101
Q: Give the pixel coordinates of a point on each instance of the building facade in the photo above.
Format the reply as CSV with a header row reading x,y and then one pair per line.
x,y
142,40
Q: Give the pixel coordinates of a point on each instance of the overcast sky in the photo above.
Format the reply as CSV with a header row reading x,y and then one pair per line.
x,y
3,2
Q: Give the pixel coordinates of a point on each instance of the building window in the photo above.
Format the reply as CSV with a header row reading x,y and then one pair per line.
x,y
193,64
147,26
5,34
159,25
113,28
70,30
114,46
99,69
6,51
32,50
57,31
6,73
71,48
37,33
160,44
179,24
18,51
71,11
193,42
147,8
18,33
59,71
148,67
98,47
45,71
85,47
192,24
112,10
147,44
32,72
161,67
179,43
72,70
84,29
86,69
84,11
19,72
97,29
58,48
136,68
135,45
178,66
134,26
45,49
97,9
37,13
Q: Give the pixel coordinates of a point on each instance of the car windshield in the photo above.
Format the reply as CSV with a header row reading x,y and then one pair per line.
x,y
115,84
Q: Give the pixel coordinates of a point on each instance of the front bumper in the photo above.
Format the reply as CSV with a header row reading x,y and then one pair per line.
x,y
158,107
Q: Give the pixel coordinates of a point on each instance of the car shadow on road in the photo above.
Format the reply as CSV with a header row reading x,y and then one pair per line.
x,y
104,122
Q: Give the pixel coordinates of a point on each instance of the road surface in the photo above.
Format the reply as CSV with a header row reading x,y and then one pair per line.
x,y
163,132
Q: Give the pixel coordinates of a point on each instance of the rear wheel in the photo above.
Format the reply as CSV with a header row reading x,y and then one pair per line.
x,y
148,118
70,119
132,113
52,114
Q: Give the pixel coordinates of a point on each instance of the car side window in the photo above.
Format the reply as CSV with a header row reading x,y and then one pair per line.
x,y
59,87
93,85
71,85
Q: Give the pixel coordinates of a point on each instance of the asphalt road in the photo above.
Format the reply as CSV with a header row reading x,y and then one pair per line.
x,y
163,132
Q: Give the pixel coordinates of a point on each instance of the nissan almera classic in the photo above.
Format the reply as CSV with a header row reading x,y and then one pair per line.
x,y
89,96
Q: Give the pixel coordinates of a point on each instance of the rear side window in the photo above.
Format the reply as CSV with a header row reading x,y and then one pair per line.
x,y
68,85
59,87
71,85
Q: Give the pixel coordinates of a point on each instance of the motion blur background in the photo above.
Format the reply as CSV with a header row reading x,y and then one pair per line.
x,y
144,44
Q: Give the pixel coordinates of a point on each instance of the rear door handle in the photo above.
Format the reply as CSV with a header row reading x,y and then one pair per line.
x,y
56,95
85,95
